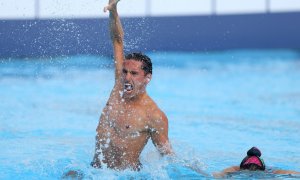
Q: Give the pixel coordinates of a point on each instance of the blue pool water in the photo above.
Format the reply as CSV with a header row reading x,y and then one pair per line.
x,y
219,104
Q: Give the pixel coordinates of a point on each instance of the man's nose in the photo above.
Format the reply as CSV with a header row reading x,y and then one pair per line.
x,y
128,76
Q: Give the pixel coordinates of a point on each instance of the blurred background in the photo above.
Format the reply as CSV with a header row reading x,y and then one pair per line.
x,y
35,28
45,9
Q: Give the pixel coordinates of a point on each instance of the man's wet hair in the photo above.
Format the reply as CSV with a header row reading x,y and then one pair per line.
x,y
137,56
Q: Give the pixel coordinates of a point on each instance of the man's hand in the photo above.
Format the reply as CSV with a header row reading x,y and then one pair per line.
x,y
111,6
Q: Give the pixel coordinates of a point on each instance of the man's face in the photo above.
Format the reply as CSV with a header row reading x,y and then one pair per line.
x,y
134,79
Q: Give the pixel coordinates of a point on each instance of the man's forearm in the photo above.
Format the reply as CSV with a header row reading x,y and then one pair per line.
x,y
116,30
165,149
117,36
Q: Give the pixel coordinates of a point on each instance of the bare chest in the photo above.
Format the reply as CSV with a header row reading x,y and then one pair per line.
x,y
127,122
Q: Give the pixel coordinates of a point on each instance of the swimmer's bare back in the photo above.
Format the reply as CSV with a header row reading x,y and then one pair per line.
x,y
127,122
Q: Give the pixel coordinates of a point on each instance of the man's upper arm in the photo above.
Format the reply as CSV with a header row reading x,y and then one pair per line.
x,y
159,133
118,56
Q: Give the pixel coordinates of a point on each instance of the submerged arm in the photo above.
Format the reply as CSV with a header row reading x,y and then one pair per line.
x,y
159,136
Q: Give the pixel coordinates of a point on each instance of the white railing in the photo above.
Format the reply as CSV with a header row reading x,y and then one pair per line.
x,y
40,9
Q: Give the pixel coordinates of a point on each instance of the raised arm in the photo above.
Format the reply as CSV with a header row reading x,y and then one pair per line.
x,y
117,36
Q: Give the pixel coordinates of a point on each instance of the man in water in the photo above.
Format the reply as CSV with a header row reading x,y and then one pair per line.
x,y
130,117
252,162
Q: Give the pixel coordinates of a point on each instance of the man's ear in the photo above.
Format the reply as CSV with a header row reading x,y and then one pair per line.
x,y
148,77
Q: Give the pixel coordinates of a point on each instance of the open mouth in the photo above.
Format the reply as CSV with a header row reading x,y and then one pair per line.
x,y
128,87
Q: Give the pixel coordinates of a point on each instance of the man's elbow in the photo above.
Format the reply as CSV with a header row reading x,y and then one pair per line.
x,y
117,37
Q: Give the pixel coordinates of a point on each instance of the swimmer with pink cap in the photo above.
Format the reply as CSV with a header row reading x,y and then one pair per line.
x,y
252,162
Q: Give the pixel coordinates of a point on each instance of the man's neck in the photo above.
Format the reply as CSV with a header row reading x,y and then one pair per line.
x,y
138,99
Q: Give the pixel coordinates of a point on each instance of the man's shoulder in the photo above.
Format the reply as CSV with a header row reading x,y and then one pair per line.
x,y
155,112
158,119
115,95
151,106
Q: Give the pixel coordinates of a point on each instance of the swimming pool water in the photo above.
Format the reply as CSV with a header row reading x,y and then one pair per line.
x,y
219,105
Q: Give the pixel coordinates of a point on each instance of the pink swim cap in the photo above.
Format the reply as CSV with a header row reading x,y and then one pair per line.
x,y
253,160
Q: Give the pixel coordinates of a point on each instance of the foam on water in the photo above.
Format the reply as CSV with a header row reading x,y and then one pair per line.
x,y
218,104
